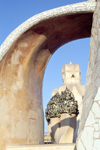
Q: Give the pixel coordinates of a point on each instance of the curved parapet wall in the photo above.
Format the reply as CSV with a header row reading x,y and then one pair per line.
x,y
24,56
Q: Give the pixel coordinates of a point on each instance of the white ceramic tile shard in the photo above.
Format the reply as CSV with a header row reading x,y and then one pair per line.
x,y
97,121
87,137
97,97
80,145
99,124
96,144
99,127
96,110
69,9
96,127
96,135
90,120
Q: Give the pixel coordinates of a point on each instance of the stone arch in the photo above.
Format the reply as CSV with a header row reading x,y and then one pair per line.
x,y
24,56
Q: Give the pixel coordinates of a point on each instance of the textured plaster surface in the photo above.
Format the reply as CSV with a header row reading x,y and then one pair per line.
x,y
89,135
24,56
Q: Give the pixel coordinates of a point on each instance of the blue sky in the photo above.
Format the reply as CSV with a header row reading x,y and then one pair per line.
x,y
15,12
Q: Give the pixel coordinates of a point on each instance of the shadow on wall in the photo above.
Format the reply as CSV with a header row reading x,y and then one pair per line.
x,y
75,136
62,131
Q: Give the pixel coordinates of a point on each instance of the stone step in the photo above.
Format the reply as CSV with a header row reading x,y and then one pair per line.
x,y
43,147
